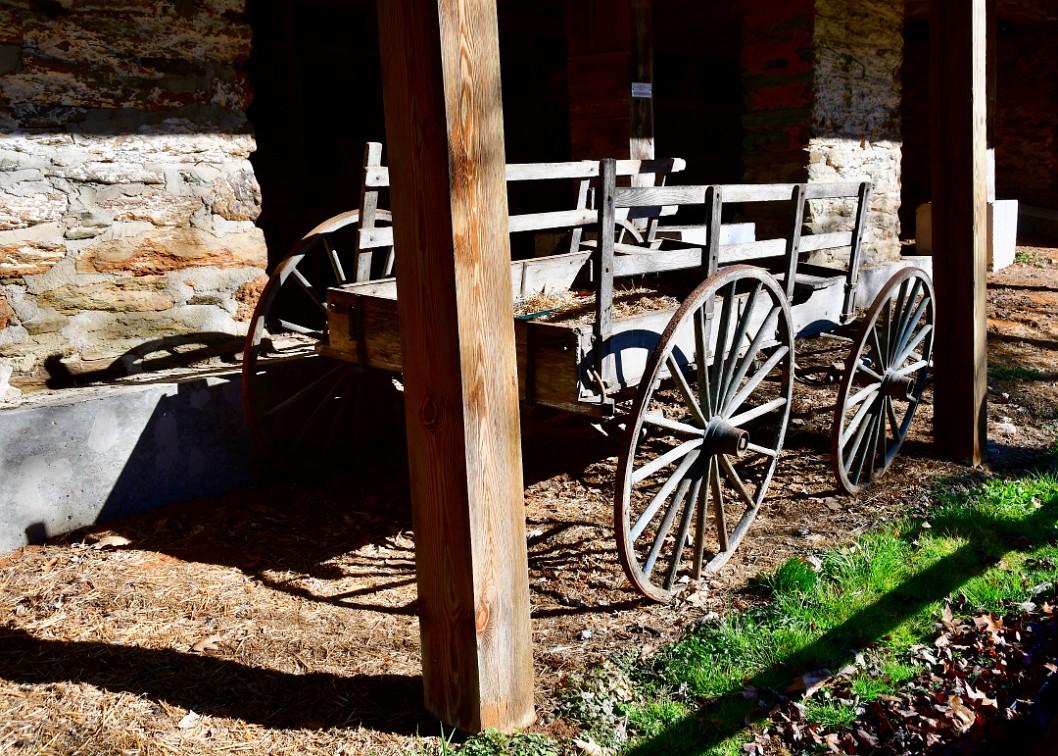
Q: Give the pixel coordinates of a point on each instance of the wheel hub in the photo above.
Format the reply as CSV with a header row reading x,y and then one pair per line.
x,y
898,386
721,437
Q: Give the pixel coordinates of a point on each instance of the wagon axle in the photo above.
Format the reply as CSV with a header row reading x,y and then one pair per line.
x,y
721,437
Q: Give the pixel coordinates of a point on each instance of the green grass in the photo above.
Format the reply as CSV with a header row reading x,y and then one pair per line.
x,y
1013,373
861,608
1028,256
980,550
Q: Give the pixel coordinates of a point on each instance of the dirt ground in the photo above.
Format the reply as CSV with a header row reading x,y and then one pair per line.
x,y
282,619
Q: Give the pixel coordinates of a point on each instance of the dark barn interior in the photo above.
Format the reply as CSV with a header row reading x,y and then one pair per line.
x,y
318,99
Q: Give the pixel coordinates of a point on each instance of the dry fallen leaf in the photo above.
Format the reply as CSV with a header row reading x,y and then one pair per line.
x,y
962,718
589,747
989,623
810,682
111,541
209,643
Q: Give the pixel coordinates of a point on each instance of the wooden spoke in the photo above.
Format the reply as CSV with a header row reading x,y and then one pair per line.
x,y
297,401
737,325
871,422
681,536
659,498
864,411
680,429
277,324
752,414
720,353
334,259
734,349
686,391
662,534
666,459
752,383
310,289
330,379
767,328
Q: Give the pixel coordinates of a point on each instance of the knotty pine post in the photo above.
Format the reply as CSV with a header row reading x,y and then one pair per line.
x,y
958,116
444,131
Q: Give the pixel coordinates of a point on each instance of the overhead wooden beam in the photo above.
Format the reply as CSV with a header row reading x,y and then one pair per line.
x,y
958,117
444,131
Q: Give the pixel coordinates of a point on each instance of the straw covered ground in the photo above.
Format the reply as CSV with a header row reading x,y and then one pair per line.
x,y
282,618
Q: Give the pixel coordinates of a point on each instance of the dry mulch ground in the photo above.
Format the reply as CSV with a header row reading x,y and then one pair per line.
x,y
282,619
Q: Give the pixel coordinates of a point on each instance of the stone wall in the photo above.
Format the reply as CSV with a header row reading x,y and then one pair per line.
x,y
856,112
823,104
127,200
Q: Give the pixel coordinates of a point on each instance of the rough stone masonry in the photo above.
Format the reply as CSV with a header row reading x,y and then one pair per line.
x,y
127,200
822,87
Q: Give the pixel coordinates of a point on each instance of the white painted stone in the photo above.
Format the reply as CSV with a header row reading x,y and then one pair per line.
x,y
1002,232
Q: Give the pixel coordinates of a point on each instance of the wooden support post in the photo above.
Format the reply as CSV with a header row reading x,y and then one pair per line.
x,y
610,74
441,88
958,118
642,64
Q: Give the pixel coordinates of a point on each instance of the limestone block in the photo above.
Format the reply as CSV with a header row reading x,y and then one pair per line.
x,y
121,295
174,249
237,196
143,40
112,173
247,295
7,391
157,208
46,321
21,212
49,83
14,160
86,224
29,259
7,312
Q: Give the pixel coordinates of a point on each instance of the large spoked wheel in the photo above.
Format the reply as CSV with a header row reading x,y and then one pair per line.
x,y
885,374
706,430
297,401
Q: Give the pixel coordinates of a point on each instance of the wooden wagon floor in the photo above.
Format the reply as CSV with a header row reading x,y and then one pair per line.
x,y
281,619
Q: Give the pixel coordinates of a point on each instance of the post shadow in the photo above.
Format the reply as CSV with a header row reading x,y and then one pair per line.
x,y
220,687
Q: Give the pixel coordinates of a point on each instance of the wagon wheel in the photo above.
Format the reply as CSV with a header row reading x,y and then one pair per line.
x,y
885,374
706,433
296,400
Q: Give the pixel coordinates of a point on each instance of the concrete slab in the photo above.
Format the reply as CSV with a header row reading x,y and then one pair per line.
x,y
85,456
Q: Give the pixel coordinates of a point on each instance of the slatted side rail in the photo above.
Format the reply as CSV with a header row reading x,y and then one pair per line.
x,y
371,236
798,244
669,253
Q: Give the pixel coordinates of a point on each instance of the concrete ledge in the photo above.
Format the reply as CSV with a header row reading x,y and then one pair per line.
x,y
85,456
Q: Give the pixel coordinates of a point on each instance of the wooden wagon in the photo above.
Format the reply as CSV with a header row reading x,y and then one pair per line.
x,y
684,333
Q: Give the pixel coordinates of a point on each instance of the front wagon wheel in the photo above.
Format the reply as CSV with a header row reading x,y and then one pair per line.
x,y
707,428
